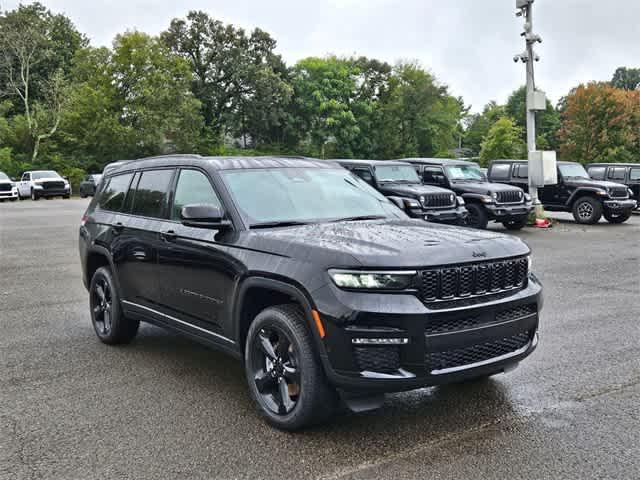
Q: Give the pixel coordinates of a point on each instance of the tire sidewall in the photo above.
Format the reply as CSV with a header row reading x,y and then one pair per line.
x,y
116,311
478,211
595,216
617,218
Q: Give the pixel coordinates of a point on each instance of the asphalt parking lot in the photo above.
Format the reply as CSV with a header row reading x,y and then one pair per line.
x,y
163,407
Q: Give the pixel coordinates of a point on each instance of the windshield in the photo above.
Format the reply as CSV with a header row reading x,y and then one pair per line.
x,y
304,195
465,172
3,176
574,170
397,173
44,174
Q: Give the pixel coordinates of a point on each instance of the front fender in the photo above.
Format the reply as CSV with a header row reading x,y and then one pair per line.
x,y
581,192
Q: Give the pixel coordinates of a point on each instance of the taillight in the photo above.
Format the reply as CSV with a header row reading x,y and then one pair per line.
x,y
83,220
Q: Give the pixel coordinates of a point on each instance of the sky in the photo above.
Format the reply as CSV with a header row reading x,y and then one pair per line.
x,y
467,44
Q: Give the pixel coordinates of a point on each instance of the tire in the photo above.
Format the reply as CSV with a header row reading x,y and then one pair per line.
x,y
82,195
477,217
515,224
13,199
109,323
617,217
34,195
66,197
286,380
587,210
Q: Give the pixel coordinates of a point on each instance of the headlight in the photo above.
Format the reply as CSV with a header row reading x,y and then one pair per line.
x,y
460,201
38,182
372,280
411,203
494,195
422,199
602,193
527,197
486,199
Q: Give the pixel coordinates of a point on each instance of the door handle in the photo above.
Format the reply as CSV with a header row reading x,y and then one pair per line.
x,y
117,228
168,236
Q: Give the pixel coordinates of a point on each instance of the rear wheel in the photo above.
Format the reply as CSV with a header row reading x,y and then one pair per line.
x,y
285,377
477,217
518,224
618,217
587,210
109,322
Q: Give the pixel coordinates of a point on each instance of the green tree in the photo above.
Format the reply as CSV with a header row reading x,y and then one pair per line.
x,y
478,126
626,78
504,140
548,122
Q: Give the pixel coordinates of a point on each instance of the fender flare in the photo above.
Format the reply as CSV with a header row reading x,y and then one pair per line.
x,y
473,197
102,251
589,191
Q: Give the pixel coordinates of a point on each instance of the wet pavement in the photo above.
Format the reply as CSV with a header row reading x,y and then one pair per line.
x,y
163,407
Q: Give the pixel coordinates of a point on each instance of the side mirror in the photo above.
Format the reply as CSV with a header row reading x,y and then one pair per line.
x,y
203,215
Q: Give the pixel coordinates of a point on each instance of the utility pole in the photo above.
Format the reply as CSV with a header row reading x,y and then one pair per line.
x,y
536,100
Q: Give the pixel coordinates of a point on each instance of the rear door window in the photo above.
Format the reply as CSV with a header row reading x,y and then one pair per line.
x,y
617,173
114,192
151,195
597,173
521,171
433,175
500,171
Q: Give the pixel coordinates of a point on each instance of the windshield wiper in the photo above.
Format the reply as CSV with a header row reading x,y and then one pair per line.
x,y
282,223
361,217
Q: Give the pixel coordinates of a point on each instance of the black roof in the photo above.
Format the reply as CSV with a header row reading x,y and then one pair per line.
x,y
439,161
605,164
559,162
219,163
374,163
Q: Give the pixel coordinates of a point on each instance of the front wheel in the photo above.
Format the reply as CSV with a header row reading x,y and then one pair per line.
x,y
587,210
34,195
109,322
515,224
620,217
477,217
285,377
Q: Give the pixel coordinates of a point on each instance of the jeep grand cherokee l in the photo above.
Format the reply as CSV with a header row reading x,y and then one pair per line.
x,y
575,192
399,182
485,201
322,286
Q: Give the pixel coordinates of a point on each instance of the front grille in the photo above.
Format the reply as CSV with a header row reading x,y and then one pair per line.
x,y
378,359
439,200
470,280
476,353
617,192
510,196
516,312
5,187
53,185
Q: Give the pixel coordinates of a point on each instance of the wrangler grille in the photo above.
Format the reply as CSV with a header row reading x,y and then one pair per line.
x,y
476,353
510,196
470,280
618,192
439,200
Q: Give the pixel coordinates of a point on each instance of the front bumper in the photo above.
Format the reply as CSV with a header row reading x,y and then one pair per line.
x,y
9,194
504,211
52,192
618,205
442,345
441,215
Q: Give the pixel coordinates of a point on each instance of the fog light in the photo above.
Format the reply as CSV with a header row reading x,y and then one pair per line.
x,y
379,341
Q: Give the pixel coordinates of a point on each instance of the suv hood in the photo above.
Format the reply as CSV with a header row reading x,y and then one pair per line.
x,y
484,188
385,244
590,183
413,190
50,179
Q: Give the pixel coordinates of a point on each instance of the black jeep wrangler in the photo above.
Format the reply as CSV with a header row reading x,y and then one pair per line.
x,y
575,192
399,182
484,201
625,173
318,283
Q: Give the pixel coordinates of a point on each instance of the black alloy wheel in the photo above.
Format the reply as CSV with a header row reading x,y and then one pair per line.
x,y
102,306
284,372
587,211
275,370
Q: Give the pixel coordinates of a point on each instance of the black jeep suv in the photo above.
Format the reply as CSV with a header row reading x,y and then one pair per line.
x,y
485,201
399,182
320,284
624,173
575,192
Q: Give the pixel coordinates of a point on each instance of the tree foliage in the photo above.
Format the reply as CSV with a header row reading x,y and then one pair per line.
x,y
503,141
626,78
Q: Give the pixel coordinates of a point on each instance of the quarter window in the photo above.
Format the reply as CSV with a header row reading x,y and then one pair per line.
x,y
617,173
364,174
634,174
150,197
521,171
433,175
500,171
193,188
113,194
597,173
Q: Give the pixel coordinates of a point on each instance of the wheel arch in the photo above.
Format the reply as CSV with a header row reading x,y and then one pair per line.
x,y
98,257
582,192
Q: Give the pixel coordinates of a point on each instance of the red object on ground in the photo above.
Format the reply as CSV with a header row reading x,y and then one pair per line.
x,y
543,223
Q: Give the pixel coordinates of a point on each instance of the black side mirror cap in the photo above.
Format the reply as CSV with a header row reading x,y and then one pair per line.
x,y
201,215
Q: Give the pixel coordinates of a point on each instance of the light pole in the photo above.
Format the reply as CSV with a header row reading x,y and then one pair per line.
x,y
536,100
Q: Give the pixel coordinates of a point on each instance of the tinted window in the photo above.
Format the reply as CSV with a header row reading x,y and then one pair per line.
x,y
521,171
397,173
597,173
25,177
193,187
500,171
617,173
151,194
114,192
364,174
634,174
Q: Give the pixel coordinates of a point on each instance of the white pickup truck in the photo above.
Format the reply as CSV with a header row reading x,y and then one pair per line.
x,y
8,190
43,183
